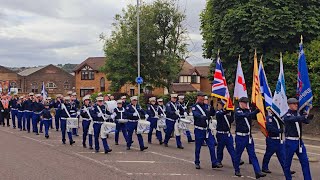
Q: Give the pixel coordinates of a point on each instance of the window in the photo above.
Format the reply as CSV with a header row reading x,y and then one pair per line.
x,y
185,79
87,73
13,85
131,92
102,85
34,87
195,78
66,85
51,85
84,92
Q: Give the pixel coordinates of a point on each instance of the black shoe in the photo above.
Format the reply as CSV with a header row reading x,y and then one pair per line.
x,y
160,142
14,127
41,132
292,172
90,147
128,148
24,129
107,151
97,151
204,144
238,174
84,145
259,175
166,145
63,142
266,171
214,166
47,137
149,142
241,162
180,147
191,141
116,143
37,133
8,125
57,129
72,142
76,135
144,148
198,166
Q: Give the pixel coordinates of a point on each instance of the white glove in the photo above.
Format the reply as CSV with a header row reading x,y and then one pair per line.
x,y
100,114
147,116
78,113
113,116
2,110
135,114
177,112
156,114
185,114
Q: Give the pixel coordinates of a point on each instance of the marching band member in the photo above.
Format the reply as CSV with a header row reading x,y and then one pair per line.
x,y
57,107
14,110
202,131
65,113
98,115
184,114
74,113
86,121
161,113
20,115
172,120
51,105
124,101
152,116
244,117
27,106
118,115
294,144
5,110
133,112
224,136
46,118
37,107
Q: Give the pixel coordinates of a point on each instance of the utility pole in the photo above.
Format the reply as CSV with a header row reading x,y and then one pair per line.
x,y
138,43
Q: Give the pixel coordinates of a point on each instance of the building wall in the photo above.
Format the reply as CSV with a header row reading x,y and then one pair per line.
x,y
205,85
49,74
197,86
95,84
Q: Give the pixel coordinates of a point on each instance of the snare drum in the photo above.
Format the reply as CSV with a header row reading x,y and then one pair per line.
x,y
161,123
108,127
190,118
143,127
184,124
72,123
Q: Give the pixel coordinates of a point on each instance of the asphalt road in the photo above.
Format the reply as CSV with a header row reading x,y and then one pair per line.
x,y
28,156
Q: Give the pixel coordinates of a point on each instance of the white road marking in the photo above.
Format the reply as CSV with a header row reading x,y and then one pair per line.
x,y
38,141
151,162
166,174
8,131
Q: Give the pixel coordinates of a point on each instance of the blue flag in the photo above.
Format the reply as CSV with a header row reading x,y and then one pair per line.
x,y
304,92
44,93
265,90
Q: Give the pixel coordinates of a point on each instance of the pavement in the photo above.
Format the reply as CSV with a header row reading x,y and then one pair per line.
x,y
28,156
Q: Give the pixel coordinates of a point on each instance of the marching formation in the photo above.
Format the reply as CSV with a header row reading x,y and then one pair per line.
x,y
212,126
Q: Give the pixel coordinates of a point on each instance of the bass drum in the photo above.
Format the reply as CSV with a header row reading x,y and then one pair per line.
x,y
143,127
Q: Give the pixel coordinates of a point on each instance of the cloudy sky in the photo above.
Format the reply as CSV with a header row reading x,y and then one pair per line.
x,y
41,32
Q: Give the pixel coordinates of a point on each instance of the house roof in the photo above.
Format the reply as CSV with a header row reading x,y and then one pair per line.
x,y
183,87
29,71
94,62
186,69
203,70
5,70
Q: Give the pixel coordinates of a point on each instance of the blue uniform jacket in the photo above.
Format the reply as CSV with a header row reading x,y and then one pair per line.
x,y
20,107
84,113
130,111
45,114
96,111
27,105
221,121
63,111
171,111
118,113
13,103
199,119
161,110
290,120
240,115
272,127
37,107
150,111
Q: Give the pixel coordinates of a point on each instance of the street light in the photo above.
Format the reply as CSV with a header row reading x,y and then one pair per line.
x,y
138,44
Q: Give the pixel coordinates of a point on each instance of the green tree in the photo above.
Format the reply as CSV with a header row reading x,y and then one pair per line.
x,y
290,60
162,41
240,26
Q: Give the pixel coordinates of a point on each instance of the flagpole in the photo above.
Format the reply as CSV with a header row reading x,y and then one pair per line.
x,y
301,39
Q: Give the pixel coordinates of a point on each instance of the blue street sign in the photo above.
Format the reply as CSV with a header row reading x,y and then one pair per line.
x,y
139,80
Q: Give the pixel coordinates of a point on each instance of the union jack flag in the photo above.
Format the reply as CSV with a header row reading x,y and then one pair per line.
x,y
220,87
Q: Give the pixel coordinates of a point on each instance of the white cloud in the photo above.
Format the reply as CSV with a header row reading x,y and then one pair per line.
x,y
40,32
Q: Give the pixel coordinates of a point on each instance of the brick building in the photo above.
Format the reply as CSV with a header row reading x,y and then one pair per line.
x,y
56,80
90,79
